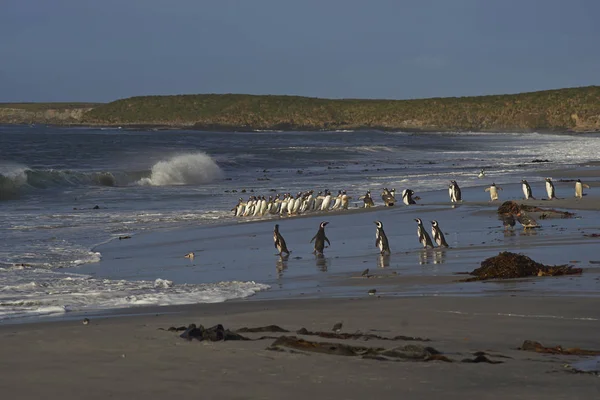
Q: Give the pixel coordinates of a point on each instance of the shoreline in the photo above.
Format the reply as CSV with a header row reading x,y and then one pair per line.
x,y
298,129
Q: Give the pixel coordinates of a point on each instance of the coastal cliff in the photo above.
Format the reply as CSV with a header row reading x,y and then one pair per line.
x,y
573,109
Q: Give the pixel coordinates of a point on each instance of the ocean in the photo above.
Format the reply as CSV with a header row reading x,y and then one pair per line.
x,y
65,191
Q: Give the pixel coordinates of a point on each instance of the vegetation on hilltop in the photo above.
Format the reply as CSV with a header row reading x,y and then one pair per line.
x,y
562,109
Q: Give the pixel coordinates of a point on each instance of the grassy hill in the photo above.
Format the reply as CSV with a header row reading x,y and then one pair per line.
x,y
573,109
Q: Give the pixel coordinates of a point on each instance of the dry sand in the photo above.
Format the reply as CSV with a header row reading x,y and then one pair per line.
x,y
130,357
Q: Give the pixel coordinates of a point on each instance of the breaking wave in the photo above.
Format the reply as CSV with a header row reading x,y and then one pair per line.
x,y
184,169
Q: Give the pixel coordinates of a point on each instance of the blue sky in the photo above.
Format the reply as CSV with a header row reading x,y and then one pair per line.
x,y
102,50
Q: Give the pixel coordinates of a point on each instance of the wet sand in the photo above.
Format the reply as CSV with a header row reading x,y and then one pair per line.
x,y
130,357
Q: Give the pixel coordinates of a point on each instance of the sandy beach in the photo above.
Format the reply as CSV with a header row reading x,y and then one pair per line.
x,y
131,356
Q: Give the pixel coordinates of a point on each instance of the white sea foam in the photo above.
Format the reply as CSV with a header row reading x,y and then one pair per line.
x,y
184,169
35,292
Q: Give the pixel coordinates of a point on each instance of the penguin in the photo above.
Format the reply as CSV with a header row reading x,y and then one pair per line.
x,y
381,239
318,201
481,174
454,192
345,200
338,201
438,235
579,188
493,191
422,234
190,255
320,239
326,201
279,242
239,209
263,206
297,204
527,190
550,189
388,199
367,199
407,197
526,221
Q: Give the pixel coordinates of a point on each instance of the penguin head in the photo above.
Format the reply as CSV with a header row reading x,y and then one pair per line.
x,y
378,223
434,223
276,227
323,224
418,220
493,184
523,180
548,179
579,180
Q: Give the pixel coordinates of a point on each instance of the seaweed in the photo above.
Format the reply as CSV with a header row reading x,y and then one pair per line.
x,y
537,347
507,265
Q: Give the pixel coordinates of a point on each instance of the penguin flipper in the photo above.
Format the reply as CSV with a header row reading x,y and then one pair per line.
x,y
327,240
487,189
313,239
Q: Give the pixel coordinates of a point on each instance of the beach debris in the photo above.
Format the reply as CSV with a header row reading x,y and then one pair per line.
x,y
480,358
268,328
537,347
86,321
365,273
124,237
213,334
372,292
537,160
594,235
357,336
337,327
512,207
507,265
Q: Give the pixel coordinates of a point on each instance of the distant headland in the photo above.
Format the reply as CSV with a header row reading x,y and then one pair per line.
x,y
570,110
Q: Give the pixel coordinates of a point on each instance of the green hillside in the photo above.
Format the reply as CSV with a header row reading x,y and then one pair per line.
x,y
562,109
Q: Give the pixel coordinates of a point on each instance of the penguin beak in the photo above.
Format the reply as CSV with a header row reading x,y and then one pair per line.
x,y
325,223
416,220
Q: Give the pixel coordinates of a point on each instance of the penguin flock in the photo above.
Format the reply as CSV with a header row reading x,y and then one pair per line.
x,y
306,202
381,240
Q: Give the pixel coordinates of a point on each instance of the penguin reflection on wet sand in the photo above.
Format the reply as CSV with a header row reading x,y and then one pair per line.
x,y
527,190
279,242
493,189
381,240
579,188
437,234
422,234
320,239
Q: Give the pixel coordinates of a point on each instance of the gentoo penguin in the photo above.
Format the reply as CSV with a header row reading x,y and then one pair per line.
x,y
454,192
493,191
527,190
437,234
326,201
422,234
345,200
526,220
550,189
338,201
508,220
367,199
320,239
279,242
407,197
481,174
387,197
318,201
190,255
579,188
381,239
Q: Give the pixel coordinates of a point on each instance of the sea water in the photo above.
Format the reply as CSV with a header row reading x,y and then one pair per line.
x,y
64,191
